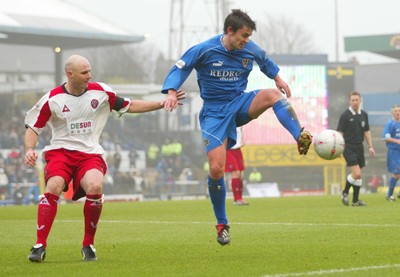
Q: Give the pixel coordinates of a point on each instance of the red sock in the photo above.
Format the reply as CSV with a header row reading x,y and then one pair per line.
x,y
236,189
240,194
47,210
91,212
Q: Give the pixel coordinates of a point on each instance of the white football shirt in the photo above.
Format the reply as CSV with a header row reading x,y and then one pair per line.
x,y
76,121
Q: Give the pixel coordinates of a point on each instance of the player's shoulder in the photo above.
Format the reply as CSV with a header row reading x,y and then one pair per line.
x,y
253,46
56,91
99,86
96,86
213,42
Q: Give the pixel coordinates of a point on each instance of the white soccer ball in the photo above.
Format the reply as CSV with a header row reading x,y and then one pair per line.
x,y
329,144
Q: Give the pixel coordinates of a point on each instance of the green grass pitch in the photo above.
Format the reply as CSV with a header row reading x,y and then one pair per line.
x,y
289,236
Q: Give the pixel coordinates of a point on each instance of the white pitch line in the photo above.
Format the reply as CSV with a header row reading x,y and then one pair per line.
x,y
244,223
333,271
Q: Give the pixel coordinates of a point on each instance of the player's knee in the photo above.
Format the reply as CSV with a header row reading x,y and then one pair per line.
x,y
264,100
271,96
55,185
216,171
94,187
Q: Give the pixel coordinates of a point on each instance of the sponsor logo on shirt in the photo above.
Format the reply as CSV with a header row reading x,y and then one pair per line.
x,y
83,127
225,75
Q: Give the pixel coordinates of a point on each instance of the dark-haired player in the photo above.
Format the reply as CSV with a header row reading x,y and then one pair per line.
x,y
223,64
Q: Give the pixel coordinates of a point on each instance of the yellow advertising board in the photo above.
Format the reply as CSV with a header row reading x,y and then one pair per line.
x,y
334,171
283,155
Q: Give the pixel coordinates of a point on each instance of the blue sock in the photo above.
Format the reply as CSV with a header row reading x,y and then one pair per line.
x,y
287,117
217,191
392,185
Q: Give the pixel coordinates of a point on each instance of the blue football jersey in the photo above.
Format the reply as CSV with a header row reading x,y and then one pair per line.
x,y
392,130
221,74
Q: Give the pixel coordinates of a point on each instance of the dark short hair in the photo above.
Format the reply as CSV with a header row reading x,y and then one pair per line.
x,y
238,19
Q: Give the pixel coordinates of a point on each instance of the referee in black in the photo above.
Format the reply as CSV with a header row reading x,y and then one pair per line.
x,y
354,126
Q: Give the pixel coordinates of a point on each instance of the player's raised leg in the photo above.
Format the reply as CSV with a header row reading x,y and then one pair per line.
x,y
267,98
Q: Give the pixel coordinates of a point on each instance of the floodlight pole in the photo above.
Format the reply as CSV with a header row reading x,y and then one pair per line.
x,y
58,66
336,32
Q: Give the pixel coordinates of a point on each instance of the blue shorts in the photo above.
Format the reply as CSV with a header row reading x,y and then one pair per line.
x,y
218,121
393,161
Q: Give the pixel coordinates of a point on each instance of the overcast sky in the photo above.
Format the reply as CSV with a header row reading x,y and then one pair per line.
x,y
355,18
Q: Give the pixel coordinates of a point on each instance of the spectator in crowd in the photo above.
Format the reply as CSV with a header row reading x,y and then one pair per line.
x,y
177,148
166,148
18,194
138,181
117,160
133,158
34,185
374,183
3,183
255,176
152,155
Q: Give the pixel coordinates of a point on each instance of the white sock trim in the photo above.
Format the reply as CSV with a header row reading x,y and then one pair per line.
x,y
357,183
351,179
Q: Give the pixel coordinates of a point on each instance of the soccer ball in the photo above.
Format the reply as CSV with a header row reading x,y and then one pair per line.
x,y
329,144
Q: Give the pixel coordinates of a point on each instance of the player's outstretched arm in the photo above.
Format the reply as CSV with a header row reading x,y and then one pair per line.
x,y
141,106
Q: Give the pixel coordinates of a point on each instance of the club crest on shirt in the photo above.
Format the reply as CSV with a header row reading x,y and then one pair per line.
x,y
94,103
245,62
363,123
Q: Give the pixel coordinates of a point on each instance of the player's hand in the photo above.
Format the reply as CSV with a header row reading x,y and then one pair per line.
x,y
173,98
30,158
180,96
282,86
171,102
